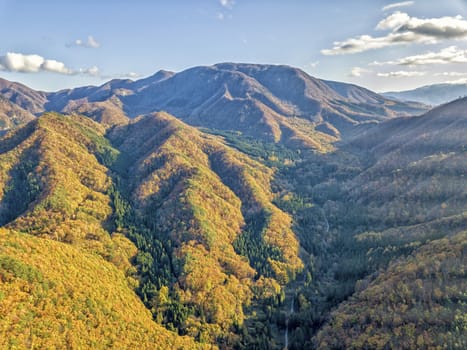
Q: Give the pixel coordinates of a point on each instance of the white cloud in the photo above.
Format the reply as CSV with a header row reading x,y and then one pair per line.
x,y
447,55
18,62
92,71
15,62
436,28
363,43
450,74
396,20
401,74
227,3
21,63
56,66
90,43
457,81
220,16
404,30
358,71
397,4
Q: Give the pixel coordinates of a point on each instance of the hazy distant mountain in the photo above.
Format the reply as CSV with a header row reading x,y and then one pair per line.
x,y
431,94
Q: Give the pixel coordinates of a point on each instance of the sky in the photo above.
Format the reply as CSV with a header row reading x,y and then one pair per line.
x,y
382,45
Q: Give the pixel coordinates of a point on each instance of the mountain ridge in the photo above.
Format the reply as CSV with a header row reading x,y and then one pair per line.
x,y
272,102
221,236
435,94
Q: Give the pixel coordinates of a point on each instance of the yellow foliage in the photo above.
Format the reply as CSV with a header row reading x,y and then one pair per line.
x,y
71,299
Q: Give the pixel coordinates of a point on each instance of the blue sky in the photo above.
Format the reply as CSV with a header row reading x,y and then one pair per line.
x,y
382,45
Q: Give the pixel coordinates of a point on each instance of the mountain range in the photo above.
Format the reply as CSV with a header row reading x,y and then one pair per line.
x,y
275,103
235,206
432,95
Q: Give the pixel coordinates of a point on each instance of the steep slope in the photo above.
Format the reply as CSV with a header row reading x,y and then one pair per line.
x,y
23,96
261,101
203,202
11,115
273,103
389,191
418,302
107,113
434,95
237,241
53,186
211,247
18,104
56,101
51,165
418,160
50,298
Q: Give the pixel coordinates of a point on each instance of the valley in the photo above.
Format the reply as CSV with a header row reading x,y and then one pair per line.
x,y
214,208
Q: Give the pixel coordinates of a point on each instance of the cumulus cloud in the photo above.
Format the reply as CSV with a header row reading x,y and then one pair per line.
x,y
357,72
18,62
434,28
397,4
90,43
401,74
56,66
447,55
404,29
21,63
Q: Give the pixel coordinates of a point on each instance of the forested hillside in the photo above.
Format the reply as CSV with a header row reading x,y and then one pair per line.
x,y
66,278
202,214
152,233
379,200
418,302
188,221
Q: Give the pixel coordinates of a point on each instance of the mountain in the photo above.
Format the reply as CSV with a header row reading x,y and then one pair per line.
x,y
273,103
126,226
57,242
28,99
18,104
170,214
433,95
12,115
415,303
211,209
370,214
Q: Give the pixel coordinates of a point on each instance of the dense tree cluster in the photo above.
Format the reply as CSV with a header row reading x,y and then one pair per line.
x,y
205,238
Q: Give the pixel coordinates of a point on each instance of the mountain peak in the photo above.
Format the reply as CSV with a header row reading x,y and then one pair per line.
x,y
259,100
